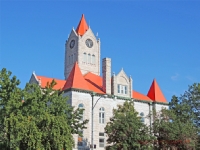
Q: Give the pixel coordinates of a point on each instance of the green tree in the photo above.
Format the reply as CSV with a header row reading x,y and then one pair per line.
x,y
174,128
126,131
10,104
191,97
36,118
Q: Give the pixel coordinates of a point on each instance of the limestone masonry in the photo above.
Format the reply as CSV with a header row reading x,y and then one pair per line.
x,y
82,78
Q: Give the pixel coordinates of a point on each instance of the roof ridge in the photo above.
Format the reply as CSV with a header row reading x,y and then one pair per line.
x,y
50,77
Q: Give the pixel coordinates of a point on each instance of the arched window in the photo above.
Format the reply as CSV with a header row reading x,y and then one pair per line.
x,y
81,106
142,117
89,58
101,115
93,59
74,57
85,57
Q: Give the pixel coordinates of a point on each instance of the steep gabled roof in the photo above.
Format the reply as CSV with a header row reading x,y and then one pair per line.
x,y
75,79
94,82
140,96
155,93
82,26
44,80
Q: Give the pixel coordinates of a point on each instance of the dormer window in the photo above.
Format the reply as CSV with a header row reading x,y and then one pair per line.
x,y
122,89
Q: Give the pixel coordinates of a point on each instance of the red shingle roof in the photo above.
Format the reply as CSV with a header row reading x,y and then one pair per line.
x,y
94,83
155,93
139,96
75,79
44,80
82,26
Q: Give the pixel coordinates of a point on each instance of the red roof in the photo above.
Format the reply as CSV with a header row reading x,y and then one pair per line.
x,y
82,26
75,79
155,93
94,83
44,80
139,96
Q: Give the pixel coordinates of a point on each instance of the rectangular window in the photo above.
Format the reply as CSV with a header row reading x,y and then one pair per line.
x,y
101,139
118,86
89,58
85,57
93,59
101,134
102,117
74,57
122,89
125,89
101,142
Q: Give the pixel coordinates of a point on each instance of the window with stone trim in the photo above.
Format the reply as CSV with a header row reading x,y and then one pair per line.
x,y
142,117
93,59
101,139
71,61
101,115
89,58
118,88
122,89
81,106
85,57
74,58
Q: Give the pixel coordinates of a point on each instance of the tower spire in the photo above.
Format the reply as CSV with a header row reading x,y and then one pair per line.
x,y
155,93
82,26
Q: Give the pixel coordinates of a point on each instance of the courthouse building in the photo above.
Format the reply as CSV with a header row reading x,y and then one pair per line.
x,y
83,84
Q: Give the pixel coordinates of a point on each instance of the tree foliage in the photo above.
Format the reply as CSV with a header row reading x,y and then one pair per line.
x,y
36,118
191,97
174,128
126,131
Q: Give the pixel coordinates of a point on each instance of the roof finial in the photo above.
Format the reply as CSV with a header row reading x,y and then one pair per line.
x,y
82,26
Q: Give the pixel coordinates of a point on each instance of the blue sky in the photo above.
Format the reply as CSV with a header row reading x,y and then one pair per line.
x,y
158,39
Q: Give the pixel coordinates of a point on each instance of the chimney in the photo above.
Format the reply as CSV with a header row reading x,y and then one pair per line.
x,y
106,71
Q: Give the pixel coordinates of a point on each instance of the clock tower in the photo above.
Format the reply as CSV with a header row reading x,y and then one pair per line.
x,y
82,47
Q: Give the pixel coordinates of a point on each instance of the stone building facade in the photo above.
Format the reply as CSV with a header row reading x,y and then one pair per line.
x,y
83,81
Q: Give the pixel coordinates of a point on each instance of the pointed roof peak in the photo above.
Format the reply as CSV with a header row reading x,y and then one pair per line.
x,y
76,79
155,92
82,26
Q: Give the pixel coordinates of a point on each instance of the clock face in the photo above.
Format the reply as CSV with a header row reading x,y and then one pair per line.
x,y
89,43
72,43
